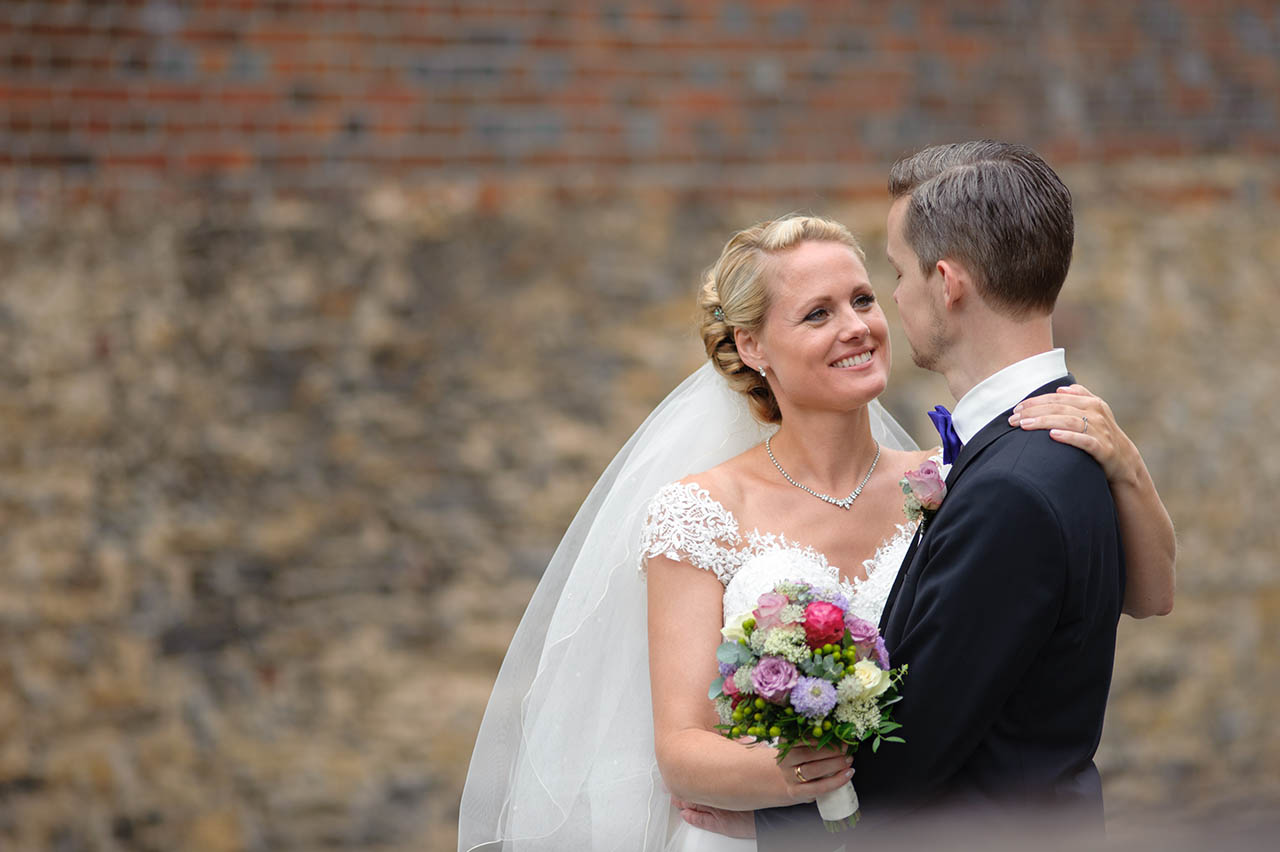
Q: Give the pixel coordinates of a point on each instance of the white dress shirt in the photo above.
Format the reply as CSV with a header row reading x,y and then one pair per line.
x,y
1003,390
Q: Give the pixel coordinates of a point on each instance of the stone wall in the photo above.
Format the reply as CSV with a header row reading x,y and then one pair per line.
x,y
278,477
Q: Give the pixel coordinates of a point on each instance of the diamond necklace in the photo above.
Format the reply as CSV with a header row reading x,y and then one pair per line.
x,y
843,504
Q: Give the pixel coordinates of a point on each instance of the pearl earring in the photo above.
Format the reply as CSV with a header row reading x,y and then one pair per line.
x,y
763,375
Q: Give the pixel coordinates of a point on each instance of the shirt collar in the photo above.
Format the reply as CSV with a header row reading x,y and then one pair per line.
x,y
1001,391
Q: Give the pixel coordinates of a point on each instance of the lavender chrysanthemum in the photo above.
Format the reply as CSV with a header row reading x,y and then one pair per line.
x,y
832,596
882,653
813,697
727,669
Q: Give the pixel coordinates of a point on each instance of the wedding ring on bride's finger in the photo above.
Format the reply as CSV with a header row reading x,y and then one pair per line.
x,y
800,776
1085,430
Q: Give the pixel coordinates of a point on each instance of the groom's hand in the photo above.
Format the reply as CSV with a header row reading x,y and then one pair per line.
x,y
730,823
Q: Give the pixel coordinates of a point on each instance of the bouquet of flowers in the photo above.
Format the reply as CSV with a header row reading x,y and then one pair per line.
x,y
802,670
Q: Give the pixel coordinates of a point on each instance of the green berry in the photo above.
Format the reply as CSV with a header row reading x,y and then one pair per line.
x,y
759,703
775,731
826,726
737,731
817,730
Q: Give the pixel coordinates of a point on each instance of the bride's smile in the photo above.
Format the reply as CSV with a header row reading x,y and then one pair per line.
x,y
859,360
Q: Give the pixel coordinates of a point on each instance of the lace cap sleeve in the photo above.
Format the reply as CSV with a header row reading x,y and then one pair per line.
x,y
686,524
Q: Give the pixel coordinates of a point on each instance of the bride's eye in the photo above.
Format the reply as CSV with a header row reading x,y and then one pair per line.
x,y
816,314
864,300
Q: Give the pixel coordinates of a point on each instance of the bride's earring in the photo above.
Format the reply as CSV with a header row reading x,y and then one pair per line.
x,y
763,375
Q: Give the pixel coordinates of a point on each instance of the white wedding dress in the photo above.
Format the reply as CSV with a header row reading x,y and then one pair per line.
x,y
688,525
564,759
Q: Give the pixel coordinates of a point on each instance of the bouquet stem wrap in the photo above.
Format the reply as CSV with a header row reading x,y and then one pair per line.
x,y
839,808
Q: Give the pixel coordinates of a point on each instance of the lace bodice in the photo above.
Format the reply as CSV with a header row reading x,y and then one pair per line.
x,y
687,524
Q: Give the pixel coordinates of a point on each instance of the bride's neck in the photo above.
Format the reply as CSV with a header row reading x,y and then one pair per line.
x,y
825,451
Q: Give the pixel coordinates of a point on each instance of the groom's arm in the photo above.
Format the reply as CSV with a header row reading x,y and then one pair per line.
x,y
988,596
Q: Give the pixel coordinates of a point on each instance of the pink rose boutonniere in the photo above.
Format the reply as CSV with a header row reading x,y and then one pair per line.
x,y
925,487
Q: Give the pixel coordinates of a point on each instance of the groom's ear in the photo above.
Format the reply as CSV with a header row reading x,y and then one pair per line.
x,y
957,283
749,348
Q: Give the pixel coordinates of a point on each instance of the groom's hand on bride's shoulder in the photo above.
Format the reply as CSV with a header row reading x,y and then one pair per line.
x,y
729,823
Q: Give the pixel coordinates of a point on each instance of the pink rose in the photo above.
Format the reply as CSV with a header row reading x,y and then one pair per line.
x,y
861,631
774,679
768,612
823,624
927,485
729,688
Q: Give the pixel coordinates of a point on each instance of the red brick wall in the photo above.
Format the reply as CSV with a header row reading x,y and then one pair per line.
x,y
331,93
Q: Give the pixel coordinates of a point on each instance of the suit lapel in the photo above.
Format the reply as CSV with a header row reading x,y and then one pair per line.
x,y
985,437
897,582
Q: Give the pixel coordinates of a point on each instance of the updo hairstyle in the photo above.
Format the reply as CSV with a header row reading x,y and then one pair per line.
x,y
738,286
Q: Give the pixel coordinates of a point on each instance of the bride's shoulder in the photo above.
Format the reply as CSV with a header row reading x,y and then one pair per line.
x,y
723,483
717,490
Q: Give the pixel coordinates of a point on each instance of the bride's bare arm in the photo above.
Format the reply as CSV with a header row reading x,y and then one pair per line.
x,y
1146,529
698,764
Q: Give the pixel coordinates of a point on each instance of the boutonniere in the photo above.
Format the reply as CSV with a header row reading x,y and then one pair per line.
x,y
925,487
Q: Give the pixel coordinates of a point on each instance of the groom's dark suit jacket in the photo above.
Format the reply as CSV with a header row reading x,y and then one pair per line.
x,y
1005,610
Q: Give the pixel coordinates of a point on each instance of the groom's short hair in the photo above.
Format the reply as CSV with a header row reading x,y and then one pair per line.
x,y
997,208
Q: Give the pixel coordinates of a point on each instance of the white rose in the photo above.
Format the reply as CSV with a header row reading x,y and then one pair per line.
x,y
733,631
874,680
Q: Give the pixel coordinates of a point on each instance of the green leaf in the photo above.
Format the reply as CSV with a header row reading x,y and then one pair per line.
x,y
875,745
733,654
717,686
894,740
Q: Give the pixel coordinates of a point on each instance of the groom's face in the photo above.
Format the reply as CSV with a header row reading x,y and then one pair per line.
x,y
917,295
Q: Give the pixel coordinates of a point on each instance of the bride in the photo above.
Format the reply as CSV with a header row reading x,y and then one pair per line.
x,y
599,733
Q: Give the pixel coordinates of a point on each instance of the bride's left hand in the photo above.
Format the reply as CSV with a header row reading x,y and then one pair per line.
x,y
729,823
1077,417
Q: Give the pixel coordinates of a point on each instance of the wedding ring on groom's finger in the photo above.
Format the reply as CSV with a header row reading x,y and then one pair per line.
x,y
1085,430
800,776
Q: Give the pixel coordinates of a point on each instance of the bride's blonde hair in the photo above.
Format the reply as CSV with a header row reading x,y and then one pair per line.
x,y
735,294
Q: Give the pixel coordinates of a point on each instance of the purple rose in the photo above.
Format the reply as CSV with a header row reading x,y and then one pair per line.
x,y
927,485
861,631
773,679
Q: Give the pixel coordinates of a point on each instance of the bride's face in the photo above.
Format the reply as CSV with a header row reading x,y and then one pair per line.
x,y
825,340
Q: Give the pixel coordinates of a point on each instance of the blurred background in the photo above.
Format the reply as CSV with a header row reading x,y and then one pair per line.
x,y
318,319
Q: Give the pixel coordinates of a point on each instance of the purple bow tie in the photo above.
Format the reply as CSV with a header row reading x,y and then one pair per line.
x,y
951,442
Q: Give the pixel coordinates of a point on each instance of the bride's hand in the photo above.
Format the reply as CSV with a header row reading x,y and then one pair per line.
x,y
728,823
810,772
1077,417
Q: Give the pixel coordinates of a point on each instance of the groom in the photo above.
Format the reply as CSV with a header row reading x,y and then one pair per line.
x,y
1006,606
